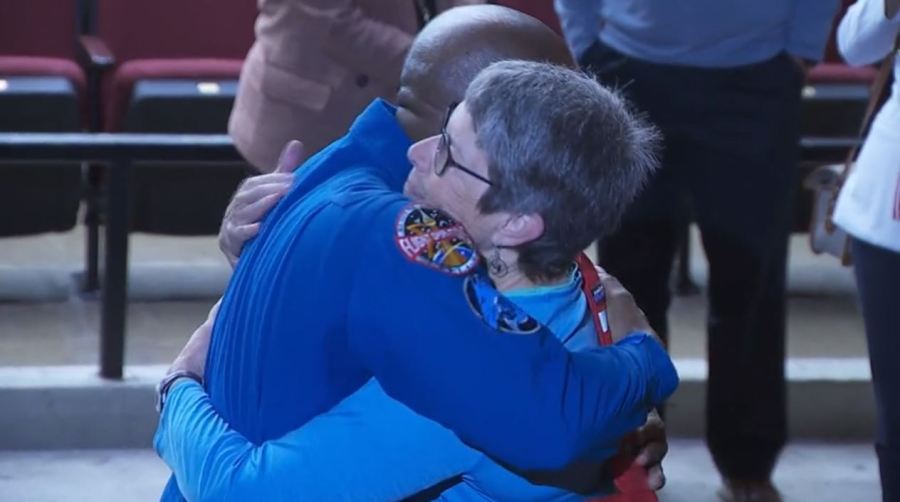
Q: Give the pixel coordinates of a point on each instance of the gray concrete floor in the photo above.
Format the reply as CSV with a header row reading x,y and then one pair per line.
x,y
808,471
174,280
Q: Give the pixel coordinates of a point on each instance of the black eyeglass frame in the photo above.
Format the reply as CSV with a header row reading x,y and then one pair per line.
x,y
443,149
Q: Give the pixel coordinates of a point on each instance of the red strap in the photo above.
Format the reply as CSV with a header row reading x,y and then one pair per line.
x,y
596,298
630,479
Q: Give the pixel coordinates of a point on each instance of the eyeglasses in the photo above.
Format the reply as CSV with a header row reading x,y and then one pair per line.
x,y
442,157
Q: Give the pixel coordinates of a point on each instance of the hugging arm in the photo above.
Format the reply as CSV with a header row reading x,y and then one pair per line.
x,y
368,447
570,407
522,399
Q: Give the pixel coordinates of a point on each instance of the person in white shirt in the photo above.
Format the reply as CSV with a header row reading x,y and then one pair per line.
x,y
869,210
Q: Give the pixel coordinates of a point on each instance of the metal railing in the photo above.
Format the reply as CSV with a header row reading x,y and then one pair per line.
x,y
826,149
118,152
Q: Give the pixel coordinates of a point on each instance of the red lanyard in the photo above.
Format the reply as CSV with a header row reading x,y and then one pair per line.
x,y
596,298
630,479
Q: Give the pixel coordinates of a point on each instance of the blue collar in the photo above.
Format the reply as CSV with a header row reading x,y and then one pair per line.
x,y
377,131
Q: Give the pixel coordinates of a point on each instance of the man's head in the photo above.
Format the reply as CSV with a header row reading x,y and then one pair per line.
x,y
538,159
454,47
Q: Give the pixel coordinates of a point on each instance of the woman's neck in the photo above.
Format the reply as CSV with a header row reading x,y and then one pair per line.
x,y
503,269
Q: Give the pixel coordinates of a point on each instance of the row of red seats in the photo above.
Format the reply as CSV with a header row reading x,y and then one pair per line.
x,y
164,66
121,43
169,39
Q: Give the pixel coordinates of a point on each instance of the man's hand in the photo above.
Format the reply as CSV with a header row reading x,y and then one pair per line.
x,y
651,444
193,356
253,199
624,315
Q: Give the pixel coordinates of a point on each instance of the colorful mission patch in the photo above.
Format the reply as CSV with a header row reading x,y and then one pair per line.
x,y
431,238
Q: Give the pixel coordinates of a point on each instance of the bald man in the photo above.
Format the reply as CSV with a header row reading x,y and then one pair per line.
x,y
322,301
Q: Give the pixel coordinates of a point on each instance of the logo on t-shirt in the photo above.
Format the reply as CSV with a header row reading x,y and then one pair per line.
x,y
496,310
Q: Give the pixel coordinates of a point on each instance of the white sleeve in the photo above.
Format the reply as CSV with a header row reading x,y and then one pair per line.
x,y
865,36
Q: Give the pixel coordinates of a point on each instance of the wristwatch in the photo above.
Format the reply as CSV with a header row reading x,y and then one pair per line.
x,y
162,388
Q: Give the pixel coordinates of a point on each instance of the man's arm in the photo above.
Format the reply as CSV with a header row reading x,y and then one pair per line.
x,y
624,319
366,430
522,399
368,447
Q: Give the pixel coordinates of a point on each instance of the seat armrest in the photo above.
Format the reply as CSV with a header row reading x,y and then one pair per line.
x,y
96,58
95,54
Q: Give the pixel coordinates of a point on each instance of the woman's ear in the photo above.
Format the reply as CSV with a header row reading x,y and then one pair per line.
x,y
519,229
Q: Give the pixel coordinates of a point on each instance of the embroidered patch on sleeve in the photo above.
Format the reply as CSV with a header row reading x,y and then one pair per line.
x,y
431,238
496,310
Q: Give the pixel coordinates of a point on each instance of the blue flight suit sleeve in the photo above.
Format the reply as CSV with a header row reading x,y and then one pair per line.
x,y
522,399
368,447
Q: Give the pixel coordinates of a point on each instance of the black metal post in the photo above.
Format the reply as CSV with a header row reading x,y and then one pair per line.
x,y
92,216
112,155
115,272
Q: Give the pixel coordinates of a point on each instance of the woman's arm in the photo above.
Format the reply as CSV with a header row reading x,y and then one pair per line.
x,y
519,397
865,35
368,447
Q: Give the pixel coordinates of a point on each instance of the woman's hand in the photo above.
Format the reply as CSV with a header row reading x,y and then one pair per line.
x,y
625,317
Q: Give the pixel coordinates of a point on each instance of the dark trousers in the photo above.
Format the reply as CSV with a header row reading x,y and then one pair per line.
x,y
729,162
877,276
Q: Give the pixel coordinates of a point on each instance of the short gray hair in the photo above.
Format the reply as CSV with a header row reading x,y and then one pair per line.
x,y
560,145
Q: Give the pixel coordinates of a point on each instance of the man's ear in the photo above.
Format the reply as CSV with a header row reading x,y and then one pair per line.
x,y
519,229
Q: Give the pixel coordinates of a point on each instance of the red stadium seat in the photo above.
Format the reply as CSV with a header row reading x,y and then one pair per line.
x,y
840,73
170,39
170,66
41,90
37,66
835,94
